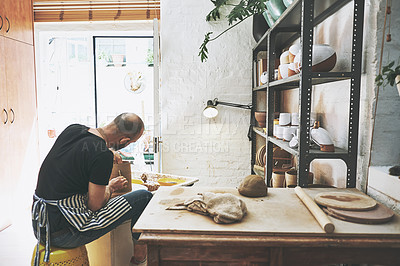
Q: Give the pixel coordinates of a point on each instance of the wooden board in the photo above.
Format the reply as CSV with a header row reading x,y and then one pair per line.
x,y
280,212
380,214
345,201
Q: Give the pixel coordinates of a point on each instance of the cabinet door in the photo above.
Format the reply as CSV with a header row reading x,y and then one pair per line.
x,y
5,180
21,97
17,20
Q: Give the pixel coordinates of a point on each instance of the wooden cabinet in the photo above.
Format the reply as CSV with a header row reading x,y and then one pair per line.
x,y
16,20
18,129
21,96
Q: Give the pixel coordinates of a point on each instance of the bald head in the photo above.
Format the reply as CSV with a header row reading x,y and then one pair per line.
x,y
123,130
129,124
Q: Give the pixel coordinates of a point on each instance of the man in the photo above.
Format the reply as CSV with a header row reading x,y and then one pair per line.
x,y
72,202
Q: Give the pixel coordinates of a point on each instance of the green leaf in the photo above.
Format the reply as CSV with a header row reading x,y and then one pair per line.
x,y
203,47
241,11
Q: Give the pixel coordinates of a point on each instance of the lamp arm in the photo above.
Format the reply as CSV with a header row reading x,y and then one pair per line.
x,y
243,106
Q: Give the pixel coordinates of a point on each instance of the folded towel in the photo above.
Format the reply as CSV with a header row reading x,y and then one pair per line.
x,y
223,207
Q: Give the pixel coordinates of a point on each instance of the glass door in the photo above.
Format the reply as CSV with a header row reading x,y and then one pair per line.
x,y
124,82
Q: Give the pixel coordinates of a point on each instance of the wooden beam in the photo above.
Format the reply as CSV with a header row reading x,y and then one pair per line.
x,y
96,15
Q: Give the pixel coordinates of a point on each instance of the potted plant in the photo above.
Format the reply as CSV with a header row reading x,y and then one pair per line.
x,y
240,11
150,58
390,75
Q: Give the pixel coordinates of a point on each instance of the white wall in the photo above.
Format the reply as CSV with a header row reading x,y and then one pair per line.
x,y
217,150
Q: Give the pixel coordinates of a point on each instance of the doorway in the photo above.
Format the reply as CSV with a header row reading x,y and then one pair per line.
x,y
89,77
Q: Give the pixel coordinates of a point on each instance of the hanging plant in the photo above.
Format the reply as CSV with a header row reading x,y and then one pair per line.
x,y
240,11
389,75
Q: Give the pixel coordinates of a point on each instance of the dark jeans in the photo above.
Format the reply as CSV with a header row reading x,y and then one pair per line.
x,y
71,237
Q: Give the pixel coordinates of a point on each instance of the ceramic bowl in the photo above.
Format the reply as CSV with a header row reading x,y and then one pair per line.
x,y
293,51
268,18
292,70
283,71
284,58
260,26
275,8
261,118
323,58
322,138
167,181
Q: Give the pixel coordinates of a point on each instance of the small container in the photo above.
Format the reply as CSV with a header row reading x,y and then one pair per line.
x,y
284,119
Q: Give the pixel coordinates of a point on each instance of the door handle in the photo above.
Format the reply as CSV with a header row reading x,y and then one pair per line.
x,y
9,25
157,142
5,111
13,118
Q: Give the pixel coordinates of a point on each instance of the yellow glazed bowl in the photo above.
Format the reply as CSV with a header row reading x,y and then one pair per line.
x,y
137,181
167,181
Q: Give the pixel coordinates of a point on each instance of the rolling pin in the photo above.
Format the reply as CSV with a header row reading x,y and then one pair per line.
x,y
318,214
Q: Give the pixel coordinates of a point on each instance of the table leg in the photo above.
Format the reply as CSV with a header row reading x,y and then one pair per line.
x,y
276,255
153,255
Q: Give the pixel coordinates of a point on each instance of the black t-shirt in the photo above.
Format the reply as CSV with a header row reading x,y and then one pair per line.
x,y
76,158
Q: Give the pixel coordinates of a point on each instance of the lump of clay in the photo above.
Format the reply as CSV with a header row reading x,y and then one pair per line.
x,y
253,186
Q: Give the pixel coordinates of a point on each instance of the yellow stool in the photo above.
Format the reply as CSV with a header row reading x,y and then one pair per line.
x,y
62,256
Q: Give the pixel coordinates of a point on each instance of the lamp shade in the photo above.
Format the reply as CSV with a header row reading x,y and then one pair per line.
x,y
210,111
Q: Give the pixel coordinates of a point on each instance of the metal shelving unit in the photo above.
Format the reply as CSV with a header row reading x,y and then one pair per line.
x,y
298,21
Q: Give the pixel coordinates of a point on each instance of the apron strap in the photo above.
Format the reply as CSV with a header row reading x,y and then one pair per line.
x,y
39,214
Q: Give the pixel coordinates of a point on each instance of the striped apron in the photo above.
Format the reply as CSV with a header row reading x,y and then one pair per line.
x,y
75,211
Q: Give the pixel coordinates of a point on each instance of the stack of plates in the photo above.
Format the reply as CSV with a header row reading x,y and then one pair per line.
x,y
354,208
260,156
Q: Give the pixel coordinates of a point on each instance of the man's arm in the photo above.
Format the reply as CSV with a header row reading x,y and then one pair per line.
x,y
99,195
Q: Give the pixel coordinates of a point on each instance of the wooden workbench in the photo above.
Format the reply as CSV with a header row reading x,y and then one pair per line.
x,y
278,230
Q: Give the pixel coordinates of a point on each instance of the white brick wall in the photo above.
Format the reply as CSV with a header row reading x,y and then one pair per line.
x,y
217,151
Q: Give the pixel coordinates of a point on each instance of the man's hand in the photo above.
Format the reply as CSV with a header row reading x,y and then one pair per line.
x,y
99,195
117,183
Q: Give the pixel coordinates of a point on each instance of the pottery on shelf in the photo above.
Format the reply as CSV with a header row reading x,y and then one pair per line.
x,y
264,77
323,58
284,58
261,118
284,119
283,71
322,138
260,26
288,2
268,18
293,51
276,8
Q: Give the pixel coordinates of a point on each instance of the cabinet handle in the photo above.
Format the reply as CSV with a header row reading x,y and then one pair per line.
x,y
5,111
13,118
1,22
9,25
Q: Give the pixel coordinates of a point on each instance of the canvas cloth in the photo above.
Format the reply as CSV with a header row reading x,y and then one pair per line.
x,y
222,207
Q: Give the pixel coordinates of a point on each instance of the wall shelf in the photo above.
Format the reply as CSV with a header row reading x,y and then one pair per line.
x,y
298,21
294,81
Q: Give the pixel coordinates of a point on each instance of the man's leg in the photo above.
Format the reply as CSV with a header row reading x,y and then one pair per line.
x,y
73,238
